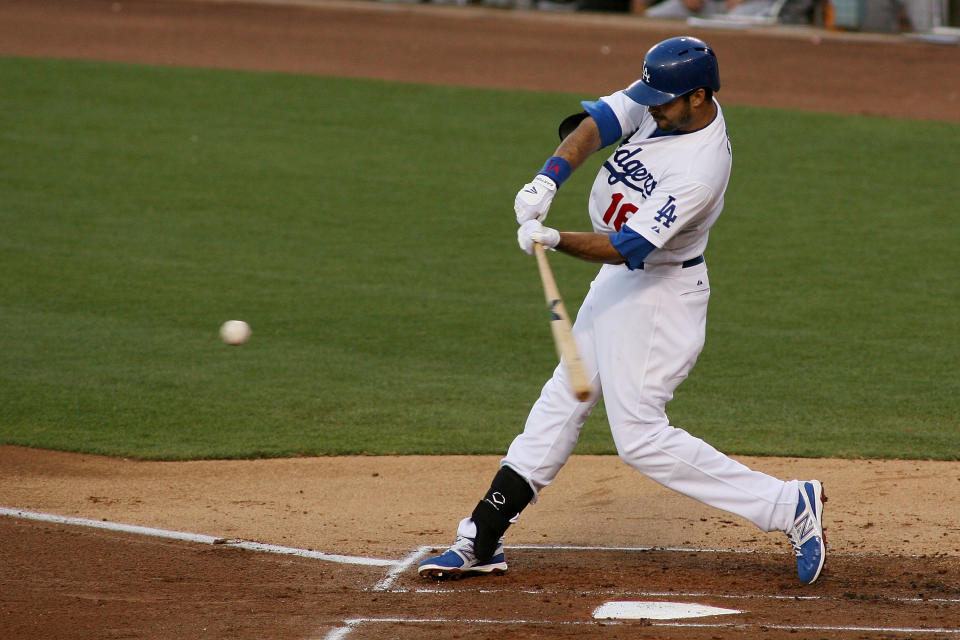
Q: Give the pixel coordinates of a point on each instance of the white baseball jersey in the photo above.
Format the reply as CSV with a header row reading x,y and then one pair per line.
x,y
640,331
669,189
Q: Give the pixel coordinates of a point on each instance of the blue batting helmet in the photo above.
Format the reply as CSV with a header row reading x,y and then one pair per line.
x,y
674,67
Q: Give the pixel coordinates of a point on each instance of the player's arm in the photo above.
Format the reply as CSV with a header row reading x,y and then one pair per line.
x,y
592,247
580,144
625,246
600,124
534,199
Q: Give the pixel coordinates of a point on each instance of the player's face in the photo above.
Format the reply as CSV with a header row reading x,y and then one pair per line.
x,y
676,115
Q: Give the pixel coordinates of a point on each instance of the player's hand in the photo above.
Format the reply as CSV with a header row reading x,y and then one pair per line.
x,y
532,231
533,201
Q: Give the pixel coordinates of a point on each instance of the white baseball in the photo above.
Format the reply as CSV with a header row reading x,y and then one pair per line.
x,y
235,332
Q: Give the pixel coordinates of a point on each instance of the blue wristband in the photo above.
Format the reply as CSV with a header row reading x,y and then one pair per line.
x,y
557,169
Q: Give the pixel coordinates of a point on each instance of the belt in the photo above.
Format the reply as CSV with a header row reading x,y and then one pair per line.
x,y
692,262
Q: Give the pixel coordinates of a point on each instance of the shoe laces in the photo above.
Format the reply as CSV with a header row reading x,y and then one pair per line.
x,y
464,546
804,528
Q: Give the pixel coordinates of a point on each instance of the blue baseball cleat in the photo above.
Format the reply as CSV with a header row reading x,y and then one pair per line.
x,y
459,560
806,535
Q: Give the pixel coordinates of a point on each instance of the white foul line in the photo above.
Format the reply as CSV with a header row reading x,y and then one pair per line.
x,y
592,623
400,567
196,537
671,594
539,547
340,632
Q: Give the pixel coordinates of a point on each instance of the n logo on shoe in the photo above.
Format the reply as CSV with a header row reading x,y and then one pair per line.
x,y
804,527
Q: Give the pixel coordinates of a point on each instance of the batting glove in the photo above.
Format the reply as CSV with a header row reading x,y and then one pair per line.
x,y
533,200
532,231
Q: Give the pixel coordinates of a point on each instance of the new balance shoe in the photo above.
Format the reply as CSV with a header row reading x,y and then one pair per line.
x,y
459,560
806,535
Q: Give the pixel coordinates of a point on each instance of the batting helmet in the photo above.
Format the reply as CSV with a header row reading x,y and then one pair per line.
x,y
674,67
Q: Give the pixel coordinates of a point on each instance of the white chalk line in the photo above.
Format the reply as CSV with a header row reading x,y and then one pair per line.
x,y
831,554
673,594
592,623
385,585
340,632
412,558
196,537
398,567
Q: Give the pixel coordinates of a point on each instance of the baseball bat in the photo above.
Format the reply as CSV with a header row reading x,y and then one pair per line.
x,y
561,328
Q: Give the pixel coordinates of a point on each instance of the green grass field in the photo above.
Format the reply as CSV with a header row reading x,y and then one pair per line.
x,y
365,230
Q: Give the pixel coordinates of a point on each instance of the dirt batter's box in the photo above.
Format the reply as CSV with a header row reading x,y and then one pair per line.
x,y
564,592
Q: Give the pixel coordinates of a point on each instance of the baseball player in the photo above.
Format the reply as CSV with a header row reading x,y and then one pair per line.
x,y
642,324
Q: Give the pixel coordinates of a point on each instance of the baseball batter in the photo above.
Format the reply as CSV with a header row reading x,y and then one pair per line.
x,y
642,324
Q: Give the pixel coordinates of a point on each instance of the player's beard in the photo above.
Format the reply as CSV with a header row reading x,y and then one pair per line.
x,y
681,121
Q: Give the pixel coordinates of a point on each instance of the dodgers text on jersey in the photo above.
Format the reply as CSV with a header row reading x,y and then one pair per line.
x,y
631,171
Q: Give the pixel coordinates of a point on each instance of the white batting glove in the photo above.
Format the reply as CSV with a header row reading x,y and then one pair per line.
x,y
533,200
532,231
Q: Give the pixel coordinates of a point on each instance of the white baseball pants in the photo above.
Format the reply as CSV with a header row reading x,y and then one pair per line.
x,y
639,334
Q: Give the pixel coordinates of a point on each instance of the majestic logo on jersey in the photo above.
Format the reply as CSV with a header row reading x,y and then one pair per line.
x,y
666,215
631,172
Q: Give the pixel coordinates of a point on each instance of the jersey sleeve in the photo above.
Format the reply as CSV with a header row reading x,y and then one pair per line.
x,y
632,246
668,211
616,115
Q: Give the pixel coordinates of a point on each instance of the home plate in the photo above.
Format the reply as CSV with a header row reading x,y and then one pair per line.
x,y
634,610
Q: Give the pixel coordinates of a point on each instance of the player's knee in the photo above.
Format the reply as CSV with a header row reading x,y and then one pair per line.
x,y
639,439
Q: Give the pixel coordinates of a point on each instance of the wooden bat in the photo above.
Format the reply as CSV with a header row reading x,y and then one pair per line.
x,y
561,328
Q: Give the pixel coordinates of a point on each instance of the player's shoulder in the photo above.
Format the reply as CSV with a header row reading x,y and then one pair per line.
x,y
630,113
714,136
706,156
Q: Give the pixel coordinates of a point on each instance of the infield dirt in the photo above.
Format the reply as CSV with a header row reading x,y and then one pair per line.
x,y
902,517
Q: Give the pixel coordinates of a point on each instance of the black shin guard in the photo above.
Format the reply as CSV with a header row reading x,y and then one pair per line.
x,y
506,498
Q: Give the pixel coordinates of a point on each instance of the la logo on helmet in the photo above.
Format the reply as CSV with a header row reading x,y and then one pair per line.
x,y
646,75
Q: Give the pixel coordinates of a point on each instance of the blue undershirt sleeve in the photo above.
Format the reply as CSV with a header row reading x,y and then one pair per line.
x,y
606,121
632,246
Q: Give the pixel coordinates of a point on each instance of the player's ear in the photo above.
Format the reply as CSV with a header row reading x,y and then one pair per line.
x,y
697,98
